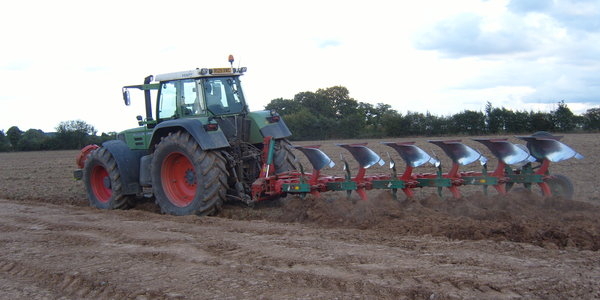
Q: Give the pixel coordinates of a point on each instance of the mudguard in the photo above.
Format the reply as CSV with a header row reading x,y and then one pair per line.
x,y
263,125
207,140
128,162
276,130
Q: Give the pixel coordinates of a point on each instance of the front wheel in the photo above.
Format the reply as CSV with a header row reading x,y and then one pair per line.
x,y
186,179
102,181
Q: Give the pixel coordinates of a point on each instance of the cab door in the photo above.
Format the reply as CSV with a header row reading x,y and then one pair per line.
x,y
180,98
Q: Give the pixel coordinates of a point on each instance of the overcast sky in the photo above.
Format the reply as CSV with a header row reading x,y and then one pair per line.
x,y
67,60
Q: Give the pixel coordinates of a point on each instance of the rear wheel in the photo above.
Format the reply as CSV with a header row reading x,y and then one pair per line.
x,y
102,181
561,186
283,158
186,179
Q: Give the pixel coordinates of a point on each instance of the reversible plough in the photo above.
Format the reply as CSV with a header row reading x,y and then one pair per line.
x,y
527,165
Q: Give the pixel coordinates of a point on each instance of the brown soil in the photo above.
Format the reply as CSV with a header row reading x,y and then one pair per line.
x,y
519,246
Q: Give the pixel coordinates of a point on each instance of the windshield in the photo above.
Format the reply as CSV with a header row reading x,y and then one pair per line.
x,y
223,95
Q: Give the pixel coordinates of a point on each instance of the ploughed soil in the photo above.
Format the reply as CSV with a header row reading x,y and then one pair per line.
x,y
53,246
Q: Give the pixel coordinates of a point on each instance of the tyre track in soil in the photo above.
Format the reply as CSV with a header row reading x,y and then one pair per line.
x,y
78,252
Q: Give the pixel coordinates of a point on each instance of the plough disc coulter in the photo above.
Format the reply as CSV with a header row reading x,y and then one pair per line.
x,y
525,165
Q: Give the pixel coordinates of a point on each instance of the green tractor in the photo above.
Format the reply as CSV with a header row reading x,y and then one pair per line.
x,y
197,148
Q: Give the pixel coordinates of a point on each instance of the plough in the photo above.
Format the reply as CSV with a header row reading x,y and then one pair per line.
x,y
517,164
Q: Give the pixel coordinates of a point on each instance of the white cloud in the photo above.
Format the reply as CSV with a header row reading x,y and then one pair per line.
x,y
465,35
551,48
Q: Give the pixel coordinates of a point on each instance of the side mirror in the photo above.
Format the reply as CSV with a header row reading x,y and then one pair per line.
x,y
126,97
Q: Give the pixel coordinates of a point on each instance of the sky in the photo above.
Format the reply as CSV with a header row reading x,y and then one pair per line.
x,y
67,60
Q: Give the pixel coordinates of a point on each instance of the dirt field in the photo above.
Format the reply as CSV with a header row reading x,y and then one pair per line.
x,y
53,246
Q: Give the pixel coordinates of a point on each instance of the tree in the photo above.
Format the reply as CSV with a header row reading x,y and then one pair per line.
x,y
435,125
394,124
563,118
469,122
74,134
32,140
316,104
351,126
415,123
592,119
517,122
326,113
306,126
339,98
14,135
540,121
374,114
76,126
283,106
4,142
373,118
496,118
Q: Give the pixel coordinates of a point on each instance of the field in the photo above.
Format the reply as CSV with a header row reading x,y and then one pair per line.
x,y
53,246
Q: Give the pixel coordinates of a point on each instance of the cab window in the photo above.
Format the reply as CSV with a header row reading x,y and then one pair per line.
x,y
192,102
168,100
180,98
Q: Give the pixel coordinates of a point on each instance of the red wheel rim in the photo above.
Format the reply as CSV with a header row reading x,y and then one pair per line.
x,y
100,183
178,177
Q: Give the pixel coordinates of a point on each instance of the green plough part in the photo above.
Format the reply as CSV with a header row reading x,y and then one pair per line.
x,y
342,186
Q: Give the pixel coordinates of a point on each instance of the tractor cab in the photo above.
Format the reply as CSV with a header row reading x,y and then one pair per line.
x,y
192,94
206,102
200,97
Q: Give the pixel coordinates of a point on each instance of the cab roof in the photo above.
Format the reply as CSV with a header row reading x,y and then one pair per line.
x,y
204,72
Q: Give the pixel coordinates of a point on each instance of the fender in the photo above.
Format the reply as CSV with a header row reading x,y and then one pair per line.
x,y
128,162
206,140
276,130
262,126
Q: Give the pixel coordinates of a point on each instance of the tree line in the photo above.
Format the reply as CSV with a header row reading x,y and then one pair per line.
x,y
74,134
330,113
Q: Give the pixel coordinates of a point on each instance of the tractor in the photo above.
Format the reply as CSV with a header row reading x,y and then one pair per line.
x,y
198,147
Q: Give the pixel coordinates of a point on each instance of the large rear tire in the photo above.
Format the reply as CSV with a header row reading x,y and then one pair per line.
x,y
102,181
187,180
283,158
